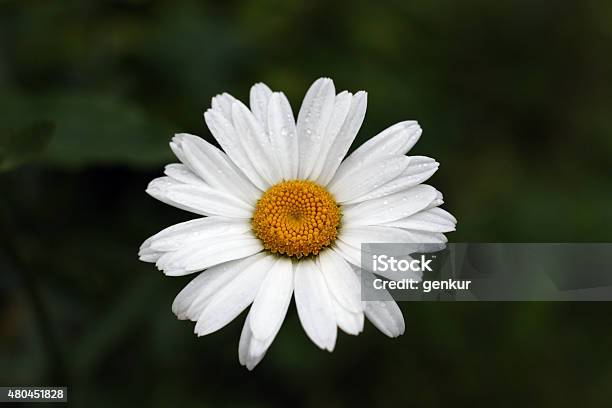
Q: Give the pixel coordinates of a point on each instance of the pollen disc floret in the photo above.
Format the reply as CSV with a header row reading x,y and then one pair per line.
x,y
296,218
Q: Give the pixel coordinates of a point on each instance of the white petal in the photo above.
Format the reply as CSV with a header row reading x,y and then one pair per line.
x,y
272,300
245,339
258,100
223,104
234,297
146,254
259,347
198,230
190,301
224,132
256,143
342,105
250,349
438,201
432,220
349,322
357,235
439,212
314,305
199,199
283,135
427,237
177,150
341,281
368,178
395,140
350,254
183,174
314,115
386,316
212,165
419,169
345,137
389,208
201,255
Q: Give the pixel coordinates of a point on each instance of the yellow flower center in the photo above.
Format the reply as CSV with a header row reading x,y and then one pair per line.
x,y
296,218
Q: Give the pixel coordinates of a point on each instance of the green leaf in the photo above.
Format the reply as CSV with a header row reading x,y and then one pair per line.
x,y
91,128
29,143
99,129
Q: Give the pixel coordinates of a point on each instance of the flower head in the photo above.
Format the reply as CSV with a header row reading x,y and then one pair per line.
x,y
284,216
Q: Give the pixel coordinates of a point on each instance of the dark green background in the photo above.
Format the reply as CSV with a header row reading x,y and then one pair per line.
x,y
515,101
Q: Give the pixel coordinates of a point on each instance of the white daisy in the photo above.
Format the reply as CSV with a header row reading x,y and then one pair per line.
x,y
283,215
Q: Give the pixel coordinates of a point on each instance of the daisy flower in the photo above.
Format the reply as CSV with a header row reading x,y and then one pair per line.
x,y
282,215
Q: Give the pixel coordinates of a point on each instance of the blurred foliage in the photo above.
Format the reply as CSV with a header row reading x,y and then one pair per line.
x,y
18,147
514,99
